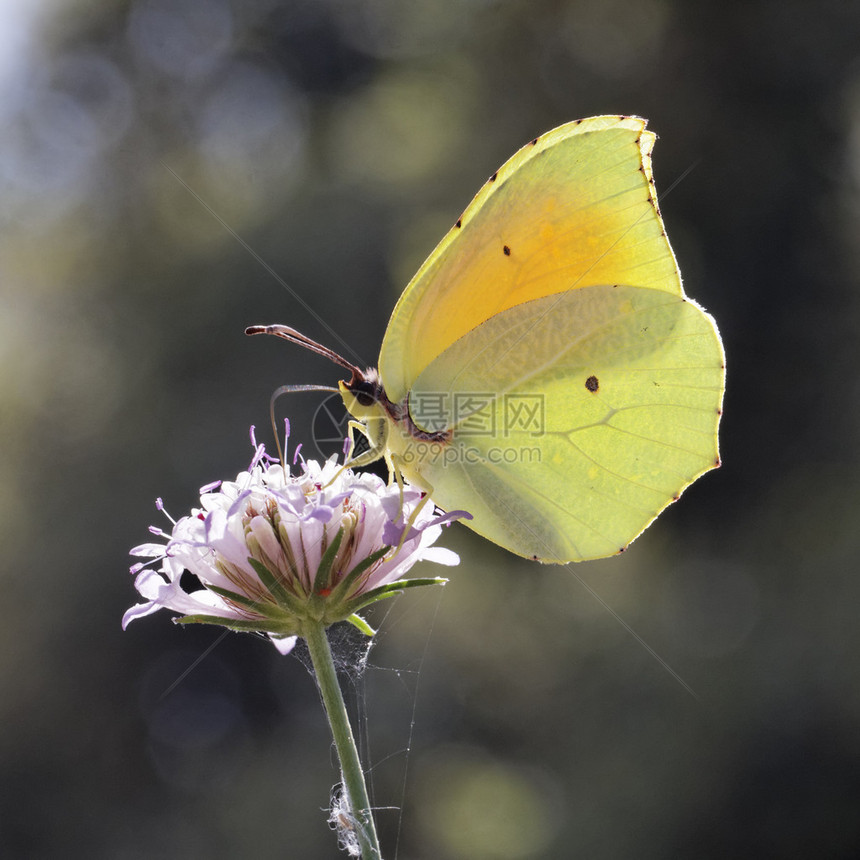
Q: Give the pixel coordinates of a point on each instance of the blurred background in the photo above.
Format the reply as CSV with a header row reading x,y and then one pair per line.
x,y
166,166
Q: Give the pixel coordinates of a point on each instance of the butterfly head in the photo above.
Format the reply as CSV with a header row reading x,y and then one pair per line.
x,y
363,395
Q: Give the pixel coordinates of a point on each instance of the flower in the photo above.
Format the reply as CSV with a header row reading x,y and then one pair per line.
x,y
274,552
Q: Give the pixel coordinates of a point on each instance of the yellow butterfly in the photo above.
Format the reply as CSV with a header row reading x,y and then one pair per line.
x,y
544,369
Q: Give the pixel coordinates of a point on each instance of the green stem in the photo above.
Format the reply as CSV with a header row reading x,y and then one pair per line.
x,y
344,740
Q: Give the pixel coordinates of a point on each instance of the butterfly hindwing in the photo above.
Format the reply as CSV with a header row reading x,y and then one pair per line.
x,y
575,419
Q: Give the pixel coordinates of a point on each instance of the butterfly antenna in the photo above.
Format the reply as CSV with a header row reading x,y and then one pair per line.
x,y
300,339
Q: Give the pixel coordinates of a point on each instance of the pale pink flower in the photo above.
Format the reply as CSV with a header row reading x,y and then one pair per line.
x,y
273,551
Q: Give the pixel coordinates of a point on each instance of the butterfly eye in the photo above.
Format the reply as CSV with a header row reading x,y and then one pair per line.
x,y
366,393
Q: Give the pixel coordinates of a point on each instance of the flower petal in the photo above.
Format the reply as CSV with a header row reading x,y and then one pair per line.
x,y
440,555
284,644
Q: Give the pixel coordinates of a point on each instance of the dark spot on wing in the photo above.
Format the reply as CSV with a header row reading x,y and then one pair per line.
x,y
507,251
459,222
494,176
592,384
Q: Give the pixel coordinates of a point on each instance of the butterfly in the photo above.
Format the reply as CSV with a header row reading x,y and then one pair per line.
x,y
544,369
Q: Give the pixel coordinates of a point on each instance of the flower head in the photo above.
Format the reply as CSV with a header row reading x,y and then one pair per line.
x,y
273,551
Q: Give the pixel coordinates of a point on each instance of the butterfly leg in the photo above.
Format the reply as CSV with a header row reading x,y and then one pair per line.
x,y
377,436
377,441
395,463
